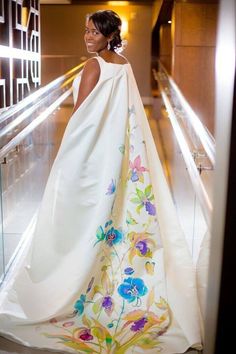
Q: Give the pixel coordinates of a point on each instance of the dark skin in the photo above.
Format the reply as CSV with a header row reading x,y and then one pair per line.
x,y
95,42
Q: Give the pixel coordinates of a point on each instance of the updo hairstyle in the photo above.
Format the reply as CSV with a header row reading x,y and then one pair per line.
x,y
108,22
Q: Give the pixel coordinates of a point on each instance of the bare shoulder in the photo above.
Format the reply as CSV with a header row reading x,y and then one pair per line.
x,y
119,59
122,59
91,69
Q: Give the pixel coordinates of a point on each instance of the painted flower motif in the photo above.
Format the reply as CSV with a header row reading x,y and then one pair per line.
x,y
131,149
53,320
122,149
129,219
150,208
144,199
129,271
139,324
107,303
150,267
136,170
142,247
79,305
132,289
68,324
113,237
111,188
84,334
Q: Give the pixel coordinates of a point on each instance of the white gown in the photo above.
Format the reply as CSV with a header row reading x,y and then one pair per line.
x,y
108,269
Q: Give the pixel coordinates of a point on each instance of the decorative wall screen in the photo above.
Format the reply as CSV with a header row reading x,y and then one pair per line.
x,y
19,49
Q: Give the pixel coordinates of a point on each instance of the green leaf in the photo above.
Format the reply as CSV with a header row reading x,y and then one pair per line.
x,y
100,233
99,333
139,207
80,346
140,194
148,190
135,200
97,306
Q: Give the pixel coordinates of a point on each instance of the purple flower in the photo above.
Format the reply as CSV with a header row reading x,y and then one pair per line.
x,y
139,324
150,208
142,247
111,188
129,271
107,302
134,176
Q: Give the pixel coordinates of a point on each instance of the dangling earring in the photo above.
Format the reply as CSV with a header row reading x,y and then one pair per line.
x,y
108,46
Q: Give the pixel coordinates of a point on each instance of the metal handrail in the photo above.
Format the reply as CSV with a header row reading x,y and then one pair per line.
x,y
199,188
201,131
37,98
30,127
31,99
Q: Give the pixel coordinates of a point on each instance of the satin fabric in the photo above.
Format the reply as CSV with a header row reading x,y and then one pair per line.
x,y
107,269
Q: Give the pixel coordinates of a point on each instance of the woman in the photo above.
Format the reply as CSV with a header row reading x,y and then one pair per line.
x,y
108,269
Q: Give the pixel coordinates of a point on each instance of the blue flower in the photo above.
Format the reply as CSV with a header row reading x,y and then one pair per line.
x,y
134,176
113,237
79,305
132,289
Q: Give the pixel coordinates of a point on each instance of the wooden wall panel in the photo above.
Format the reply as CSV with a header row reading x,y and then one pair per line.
x,y
165,46
193,56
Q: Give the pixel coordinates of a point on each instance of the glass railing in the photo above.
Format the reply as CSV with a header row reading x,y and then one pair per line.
x,y
30,135
188,151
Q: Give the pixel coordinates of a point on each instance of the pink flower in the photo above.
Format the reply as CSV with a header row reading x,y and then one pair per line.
x,y
136,173
85,334
68,324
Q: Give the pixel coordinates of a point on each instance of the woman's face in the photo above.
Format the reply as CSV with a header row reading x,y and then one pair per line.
x,y
95,41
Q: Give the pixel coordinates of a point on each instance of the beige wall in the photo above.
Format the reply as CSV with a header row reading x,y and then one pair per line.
x,y
193,55
62,29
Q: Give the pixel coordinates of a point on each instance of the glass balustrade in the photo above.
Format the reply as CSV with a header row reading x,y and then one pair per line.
x,y
187,152
24,174
30,134
188,207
